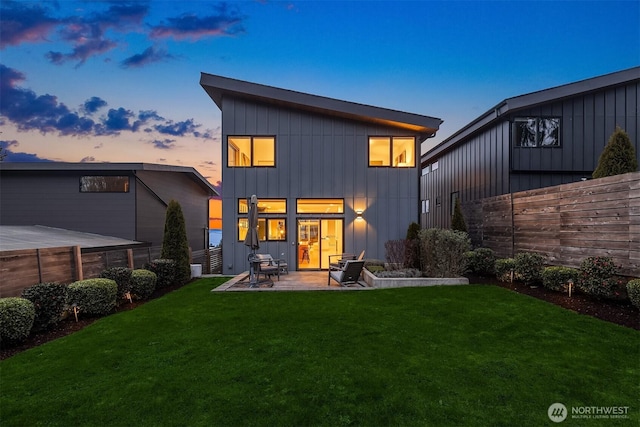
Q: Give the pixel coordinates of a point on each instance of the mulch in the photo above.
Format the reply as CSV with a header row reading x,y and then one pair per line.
x,y
618,312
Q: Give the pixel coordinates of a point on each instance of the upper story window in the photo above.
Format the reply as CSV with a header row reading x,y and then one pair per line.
x,y
320,206
251,151
104,184
396,151
536,132
266,206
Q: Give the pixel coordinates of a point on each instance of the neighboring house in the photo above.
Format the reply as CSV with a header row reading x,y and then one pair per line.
x,y
331,176
125,200
551,137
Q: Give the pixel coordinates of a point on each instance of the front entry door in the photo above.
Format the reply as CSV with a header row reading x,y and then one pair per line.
x,y
317,239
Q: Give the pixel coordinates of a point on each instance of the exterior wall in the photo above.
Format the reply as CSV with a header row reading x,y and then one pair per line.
x,y
485,164
317,156
54,199
155,195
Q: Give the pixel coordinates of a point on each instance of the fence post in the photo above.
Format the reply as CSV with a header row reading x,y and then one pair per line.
x,y
77,256
39,265
130,258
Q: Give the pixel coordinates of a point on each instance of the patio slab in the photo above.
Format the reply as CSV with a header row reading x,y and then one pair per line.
x,y
294,281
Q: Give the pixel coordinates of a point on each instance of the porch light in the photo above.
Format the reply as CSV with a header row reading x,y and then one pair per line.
x,y
359,215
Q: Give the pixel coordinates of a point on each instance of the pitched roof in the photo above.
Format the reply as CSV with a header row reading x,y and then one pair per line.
x,y
218,87
113,167
530,100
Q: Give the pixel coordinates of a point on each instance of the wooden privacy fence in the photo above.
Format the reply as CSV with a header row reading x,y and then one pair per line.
x,y
566,223
24,268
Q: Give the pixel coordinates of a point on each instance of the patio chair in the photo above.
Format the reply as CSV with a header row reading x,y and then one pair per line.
x,y
336,262
349,273
267,265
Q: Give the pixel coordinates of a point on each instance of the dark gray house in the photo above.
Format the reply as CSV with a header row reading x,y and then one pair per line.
x,y
551,137
125,200
331,176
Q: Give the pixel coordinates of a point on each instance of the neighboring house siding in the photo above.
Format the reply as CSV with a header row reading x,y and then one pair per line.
x,y
54,199
317,156
486,163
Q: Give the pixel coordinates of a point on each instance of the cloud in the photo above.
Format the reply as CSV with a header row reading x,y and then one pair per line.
x,y
165,144
225,22
93,104
13,156
29,111
88,159
149,56
24,22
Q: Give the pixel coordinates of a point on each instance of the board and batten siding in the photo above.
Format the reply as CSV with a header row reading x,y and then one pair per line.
x,y
317,156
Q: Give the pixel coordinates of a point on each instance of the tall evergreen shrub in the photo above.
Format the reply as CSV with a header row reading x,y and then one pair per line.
x,y
457,219
175,245
618,156
412,248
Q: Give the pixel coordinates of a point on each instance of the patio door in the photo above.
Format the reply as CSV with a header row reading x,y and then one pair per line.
x,y
317,239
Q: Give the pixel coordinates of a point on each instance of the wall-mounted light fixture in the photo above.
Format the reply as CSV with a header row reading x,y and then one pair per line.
x,y
359,215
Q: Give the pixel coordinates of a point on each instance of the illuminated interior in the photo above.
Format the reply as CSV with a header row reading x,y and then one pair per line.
x,y
323,206
246,151
388,151
270,206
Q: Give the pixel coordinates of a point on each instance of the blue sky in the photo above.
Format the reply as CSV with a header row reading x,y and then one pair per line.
x,y
119,81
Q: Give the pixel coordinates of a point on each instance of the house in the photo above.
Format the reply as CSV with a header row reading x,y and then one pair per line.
x,y
331,176
546,138
124,200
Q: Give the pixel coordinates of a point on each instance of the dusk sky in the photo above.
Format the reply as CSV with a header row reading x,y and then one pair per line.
x,y
93,81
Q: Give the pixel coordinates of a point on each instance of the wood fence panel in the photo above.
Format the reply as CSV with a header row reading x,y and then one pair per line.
x,y
18,270
57,265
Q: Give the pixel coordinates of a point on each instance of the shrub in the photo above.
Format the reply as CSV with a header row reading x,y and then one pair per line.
x,y
618,156
120,275
93,296
412,248
504,267
457,219
174,244
164,269
529,267
16,319
395,251
143,283
443,252
557,278
633,290
374,269
597,276
48,300
481,261
402,273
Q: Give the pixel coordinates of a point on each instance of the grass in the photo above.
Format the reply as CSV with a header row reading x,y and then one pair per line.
x,y
460,355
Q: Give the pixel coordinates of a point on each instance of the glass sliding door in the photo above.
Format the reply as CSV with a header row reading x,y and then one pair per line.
x,y
317,239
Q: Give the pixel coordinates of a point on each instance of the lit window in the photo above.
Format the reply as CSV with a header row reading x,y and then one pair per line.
x,y
397,151
104,184
322,206
266,206
269,229
536,132
247,151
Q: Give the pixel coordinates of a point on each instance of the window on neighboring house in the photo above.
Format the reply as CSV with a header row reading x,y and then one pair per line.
x,y
104,184
397,151
425,206
270,227
251,151
536,132
426,170
434,166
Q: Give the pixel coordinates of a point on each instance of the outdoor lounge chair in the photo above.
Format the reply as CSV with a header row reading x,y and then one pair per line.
x,y
344,257
349,273
267,265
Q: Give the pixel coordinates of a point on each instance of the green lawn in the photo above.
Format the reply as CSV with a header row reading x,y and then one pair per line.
x,y
459,355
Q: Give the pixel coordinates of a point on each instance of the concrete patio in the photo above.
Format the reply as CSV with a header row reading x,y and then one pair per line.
x,y
294,281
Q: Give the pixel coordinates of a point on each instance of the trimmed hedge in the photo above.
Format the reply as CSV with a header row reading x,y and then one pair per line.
x,y
633,290
529,266
443,252
143,283
557,278
165,269
49,300
597,276
503,268
16,319
93,296
122,276
481,261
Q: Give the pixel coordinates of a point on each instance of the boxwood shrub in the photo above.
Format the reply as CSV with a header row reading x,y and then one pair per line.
x,y
443,252
529,266
122,276
597,276
503,268
16,319
95,297
165,269
481,261
143,283
633,290
557,278
48,300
